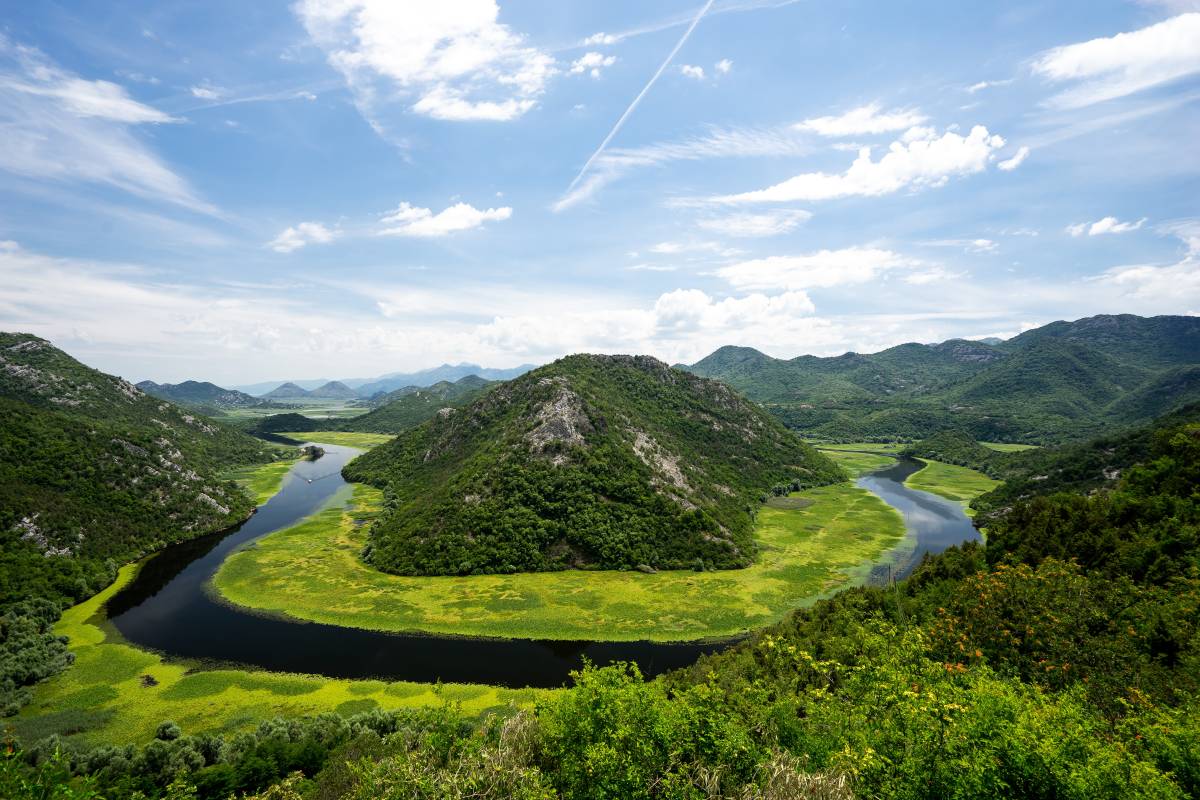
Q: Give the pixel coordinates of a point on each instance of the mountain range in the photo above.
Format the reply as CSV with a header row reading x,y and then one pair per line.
x,y
369,387
1065,380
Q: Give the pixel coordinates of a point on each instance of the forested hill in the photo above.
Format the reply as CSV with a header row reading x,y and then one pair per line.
x,y
94,473
1066,380
199,393
604,461
408,407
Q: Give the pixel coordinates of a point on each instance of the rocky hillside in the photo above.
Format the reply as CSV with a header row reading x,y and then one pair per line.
x,y
592,461
1063,381
94,472
200,394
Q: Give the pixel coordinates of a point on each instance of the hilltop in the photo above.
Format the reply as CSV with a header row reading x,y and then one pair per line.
x,y
199,393
1065,380
335,390
408,407
592,461
286,391
94,472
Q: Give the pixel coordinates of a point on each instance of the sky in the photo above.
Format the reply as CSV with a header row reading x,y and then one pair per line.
x,y
238,192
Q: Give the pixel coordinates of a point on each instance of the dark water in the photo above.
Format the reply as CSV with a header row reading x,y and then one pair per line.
x,y
167,608
934,523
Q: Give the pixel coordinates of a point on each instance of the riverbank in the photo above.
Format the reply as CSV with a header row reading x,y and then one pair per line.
x,y
116,693
312,572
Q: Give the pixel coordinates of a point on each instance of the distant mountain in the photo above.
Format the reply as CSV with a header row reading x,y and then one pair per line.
x,y
1061,381
262,387
408,407
446,372
199,393
95,473
605,461
286,391
334,390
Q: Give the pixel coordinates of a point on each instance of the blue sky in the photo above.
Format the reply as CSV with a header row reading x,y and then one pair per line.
x,y
244,191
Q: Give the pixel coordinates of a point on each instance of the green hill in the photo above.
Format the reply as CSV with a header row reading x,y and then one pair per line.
x,y
94,473
406,408
1066,380
592,461
200,394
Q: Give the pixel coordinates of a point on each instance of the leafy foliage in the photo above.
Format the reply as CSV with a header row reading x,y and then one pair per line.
x,y
93,473
609,461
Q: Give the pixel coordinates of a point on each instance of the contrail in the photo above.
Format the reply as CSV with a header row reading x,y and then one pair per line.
x,y
620,122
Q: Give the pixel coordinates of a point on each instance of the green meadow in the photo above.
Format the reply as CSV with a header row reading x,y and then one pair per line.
x,y
116,693
869,447
811,544
1001,447
959,484
858,463
363,441
262,481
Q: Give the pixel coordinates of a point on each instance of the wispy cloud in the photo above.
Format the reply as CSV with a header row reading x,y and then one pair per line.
x,y
1016,160
768,223
920,160
637,100
1103,226
716,143
409,220
592,63
864,120
59,126
1111,67
823,269
300,235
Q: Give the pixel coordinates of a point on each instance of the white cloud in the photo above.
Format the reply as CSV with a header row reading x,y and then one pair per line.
x,y
297,236
716,143
864,120
979,87
205,93
1173,286
1018,158
691,71
823,269
968,245
693,310
723,66
1103,226
409,220
768,223
592,63
600,39
60,127
453,57
921,162
1111,67
675,248
651,268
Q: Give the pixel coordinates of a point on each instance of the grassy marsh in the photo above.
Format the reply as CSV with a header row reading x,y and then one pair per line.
x,y
959,484
116,693
261,481
363,441
313,572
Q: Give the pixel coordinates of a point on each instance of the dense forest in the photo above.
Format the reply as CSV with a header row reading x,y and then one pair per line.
x,y
93,474
592,461
1057,383
1061,660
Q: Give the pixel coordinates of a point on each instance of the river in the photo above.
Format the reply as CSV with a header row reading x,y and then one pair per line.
x,y
167,606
